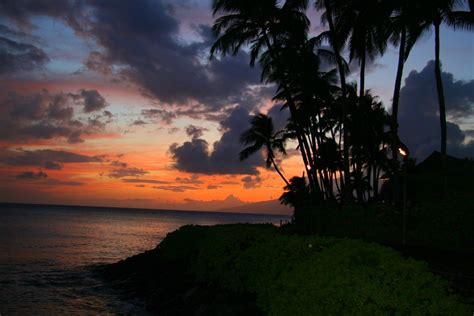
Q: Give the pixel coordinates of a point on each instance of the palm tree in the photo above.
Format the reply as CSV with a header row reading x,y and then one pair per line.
x,y
405,31
336,45
364,24
435,13
262,25
261,135
296,193
312,91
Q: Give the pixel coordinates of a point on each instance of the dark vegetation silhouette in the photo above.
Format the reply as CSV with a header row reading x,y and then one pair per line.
x,y
347,141
261,135
349,145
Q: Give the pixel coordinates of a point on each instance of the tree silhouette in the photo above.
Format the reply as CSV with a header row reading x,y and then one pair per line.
x,y
363,24
405,30
262,25
261,135
336,44
343,135
435,13
296,193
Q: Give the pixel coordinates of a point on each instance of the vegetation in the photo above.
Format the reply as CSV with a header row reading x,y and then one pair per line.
x,y
287,274
344,136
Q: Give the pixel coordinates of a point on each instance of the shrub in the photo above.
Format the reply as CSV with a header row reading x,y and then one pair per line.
x,y
307,275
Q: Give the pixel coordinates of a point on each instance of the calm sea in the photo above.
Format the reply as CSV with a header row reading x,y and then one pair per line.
x,y
48,254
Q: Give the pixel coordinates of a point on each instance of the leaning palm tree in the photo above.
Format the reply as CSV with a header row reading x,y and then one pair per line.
x,y
261,25
261,135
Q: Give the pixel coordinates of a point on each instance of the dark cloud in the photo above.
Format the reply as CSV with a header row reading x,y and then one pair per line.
x,y
32,175
7,31
21,11
17,57
92,100
139,123
150,51
213,186
279,116
148,181
173,130
120,164
62,183
194,156
45,158
44,115
419,118
107,114
52,165
252,182
194,179
157,115
229,182
127,172
42,178
175,188
469,132
195,131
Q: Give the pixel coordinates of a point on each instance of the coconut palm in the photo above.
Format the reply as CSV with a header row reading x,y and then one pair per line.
x,y
262,25
311,91
405,30
261,135
336,43
435,13
363,24
296,193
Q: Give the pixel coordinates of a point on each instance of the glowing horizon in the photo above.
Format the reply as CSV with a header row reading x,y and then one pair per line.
x,y
119,101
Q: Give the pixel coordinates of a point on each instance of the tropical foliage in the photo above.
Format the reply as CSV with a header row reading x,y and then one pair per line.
x,y
342,131
306,275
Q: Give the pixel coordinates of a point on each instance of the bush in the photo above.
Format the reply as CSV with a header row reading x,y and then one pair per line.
x,y
307,275
441,224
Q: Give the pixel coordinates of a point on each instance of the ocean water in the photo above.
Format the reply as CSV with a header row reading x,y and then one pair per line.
x,y
48,254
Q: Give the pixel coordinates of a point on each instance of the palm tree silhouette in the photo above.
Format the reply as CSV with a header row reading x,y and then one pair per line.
x,y
405,31
296,193
363,24
261,135
262,24
333,37
435,13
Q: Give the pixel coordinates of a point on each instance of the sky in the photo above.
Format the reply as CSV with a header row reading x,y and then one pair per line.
x,y
116,103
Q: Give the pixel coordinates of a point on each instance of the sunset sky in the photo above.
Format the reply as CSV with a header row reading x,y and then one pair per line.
x,y
115,103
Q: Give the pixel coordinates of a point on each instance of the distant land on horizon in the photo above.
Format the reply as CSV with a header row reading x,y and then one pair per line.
x,y
271,207
263,207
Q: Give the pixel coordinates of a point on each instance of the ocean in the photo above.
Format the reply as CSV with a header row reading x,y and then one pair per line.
x,y
48,254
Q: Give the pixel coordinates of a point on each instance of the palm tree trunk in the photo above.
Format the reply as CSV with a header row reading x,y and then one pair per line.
x,y
281,174
395,103
303,145
362,74
342,77
358,159
439,88
376,182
